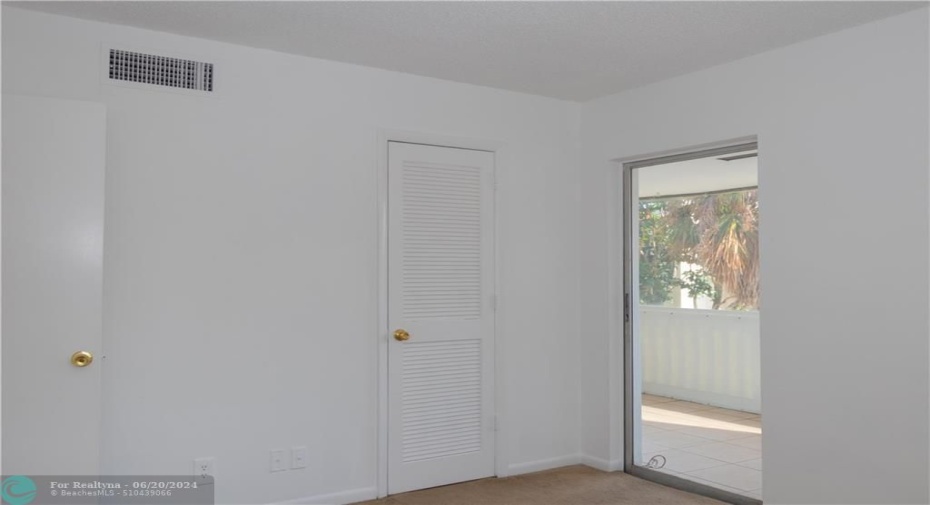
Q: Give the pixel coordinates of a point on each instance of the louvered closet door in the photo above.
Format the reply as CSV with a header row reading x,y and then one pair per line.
x,y
440,278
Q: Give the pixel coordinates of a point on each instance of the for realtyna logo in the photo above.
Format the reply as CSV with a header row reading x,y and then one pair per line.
x,y
18,490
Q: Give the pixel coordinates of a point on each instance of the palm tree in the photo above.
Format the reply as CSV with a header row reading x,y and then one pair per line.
x,y
720,233
728,226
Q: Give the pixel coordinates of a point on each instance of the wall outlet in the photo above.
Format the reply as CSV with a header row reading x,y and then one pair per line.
x,y
204,470
278,460
298,457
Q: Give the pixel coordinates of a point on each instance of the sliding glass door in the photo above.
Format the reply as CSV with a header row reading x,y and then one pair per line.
x,y
691,322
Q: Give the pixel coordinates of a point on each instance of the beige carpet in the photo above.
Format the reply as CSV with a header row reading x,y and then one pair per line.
x,y
570,485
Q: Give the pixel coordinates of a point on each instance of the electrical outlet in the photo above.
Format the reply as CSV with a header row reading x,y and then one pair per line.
x,y
298,457
277,460
204,470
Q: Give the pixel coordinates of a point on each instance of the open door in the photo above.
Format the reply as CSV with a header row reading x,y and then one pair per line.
x,y
692,342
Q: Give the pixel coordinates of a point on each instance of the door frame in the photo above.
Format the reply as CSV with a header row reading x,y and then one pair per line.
x,y
620,244
382,333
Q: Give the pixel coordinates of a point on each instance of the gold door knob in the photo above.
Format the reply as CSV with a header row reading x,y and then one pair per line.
x,y
401,335
82,358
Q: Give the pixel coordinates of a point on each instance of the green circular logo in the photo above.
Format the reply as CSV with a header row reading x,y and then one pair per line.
x,y
18,490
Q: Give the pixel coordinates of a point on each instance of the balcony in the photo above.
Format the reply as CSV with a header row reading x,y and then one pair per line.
x,y
708,445
704,356
701,400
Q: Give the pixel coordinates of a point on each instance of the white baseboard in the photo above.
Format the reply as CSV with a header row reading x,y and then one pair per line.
x,y
601,464
753,405
339,498
543,464
370,493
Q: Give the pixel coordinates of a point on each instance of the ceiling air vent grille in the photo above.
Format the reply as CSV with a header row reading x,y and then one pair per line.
x,y
160,70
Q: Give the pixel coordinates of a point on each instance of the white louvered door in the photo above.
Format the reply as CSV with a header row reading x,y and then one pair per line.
x,y
440,288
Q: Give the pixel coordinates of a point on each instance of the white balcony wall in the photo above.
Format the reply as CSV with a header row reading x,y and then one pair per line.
x,y
704,356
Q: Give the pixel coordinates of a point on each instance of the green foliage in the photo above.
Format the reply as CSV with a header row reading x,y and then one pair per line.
x,y
718,232
656,263
698,283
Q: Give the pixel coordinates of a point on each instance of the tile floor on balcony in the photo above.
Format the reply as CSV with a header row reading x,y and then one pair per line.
x,y
705,444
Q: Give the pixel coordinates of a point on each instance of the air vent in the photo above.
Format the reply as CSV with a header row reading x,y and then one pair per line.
x,y
160,70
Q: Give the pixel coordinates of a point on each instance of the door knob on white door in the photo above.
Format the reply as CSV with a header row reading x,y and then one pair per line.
x,y
81,359
401,335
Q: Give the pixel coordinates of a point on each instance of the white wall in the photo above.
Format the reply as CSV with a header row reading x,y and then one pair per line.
x,y
241,251
241,246
842,123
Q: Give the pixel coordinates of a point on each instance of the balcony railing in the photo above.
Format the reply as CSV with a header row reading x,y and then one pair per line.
x,y
704,356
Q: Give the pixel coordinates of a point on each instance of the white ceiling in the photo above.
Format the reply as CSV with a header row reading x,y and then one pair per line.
x,y
568,50
698,176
